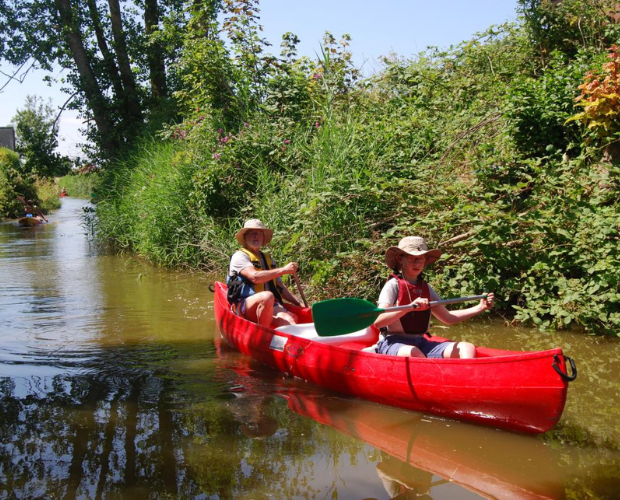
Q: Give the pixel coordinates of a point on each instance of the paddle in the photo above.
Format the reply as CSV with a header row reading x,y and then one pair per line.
x,y
301,291
32,208
40,214
340,316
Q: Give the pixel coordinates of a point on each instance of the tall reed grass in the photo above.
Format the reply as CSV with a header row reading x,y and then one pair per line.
x,y
79,185
144,205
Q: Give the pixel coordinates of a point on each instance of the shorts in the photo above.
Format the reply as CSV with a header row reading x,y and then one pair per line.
x,y
239,308
392,343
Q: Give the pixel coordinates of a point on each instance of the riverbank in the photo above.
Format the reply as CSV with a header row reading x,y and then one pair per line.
x,y
102,354
466,147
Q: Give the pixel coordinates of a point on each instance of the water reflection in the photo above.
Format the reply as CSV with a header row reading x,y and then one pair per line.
x,y
113,384
494,464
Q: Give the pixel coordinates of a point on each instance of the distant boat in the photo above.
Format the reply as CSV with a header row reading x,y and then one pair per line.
x,y
30,221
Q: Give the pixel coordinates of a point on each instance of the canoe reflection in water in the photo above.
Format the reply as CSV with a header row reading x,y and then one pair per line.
x,y
251,410
402,481
491,463
417,453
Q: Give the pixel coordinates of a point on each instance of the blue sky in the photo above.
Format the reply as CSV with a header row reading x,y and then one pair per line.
x,y
405,27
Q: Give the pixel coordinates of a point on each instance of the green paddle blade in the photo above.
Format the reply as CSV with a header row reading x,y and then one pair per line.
x,y
340,316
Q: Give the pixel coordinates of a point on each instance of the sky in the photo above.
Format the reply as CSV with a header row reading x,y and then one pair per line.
x,y
403,27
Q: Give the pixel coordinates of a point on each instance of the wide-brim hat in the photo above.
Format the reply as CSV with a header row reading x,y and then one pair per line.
x,y
253,225
411,245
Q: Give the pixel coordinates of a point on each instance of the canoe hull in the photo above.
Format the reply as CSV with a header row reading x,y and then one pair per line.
x,y
29,221
518,391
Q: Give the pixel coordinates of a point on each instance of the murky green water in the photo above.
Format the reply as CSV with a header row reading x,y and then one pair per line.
x,y
113,384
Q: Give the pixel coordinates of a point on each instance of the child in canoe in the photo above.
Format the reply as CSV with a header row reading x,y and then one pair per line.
x,y
403,331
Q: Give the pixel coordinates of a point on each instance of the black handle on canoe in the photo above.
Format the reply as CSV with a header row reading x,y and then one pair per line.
x,y
565,376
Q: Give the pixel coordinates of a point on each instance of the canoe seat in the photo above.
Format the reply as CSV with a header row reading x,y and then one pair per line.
x,y
307,331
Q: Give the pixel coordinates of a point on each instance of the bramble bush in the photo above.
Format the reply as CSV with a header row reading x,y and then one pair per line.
x,y
468,147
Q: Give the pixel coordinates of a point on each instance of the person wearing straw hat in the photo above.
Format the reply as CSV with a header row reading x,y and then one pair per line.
x,y
403,331
257,278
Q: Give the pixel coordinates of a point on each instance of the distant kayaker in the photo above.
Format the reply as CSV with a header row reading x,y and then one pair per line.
x,y
31,209
403,331
256,290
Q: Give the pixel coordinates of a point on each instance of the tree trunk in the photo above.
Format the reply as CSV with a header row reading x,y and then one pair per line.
x,y
88,81
102,43
157,66
120,47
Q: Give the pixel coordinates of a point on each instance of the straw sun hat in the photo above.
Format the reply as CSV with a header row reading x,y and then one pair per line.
x,y
253,225
411,245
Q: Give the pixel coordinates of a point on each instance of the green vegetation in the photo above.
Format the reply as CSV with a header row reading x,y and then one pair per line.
x,y
36,129
13,183
79,185
502,151
479,148
47,194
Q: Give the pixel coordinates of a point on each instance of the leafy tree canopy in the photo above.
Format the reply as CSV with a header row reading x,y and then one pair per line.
x,y
37,138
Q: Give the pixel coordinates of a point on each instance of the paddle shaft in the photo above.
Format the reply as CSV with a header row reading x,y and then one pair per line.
x,y
32,208
341,316
301,291
435,303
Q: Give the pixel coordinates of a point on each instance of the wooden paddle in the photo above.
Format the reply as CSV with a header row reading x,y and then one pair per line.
x,y
32,208
301,291
340,316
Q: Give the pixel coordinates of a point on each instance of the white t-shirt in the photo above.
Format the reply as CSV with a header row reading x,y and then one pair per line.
x,y
389,296
240,260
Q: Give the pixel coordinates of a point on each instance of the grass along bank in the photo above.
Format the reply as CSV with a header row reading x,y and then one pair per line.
x,y
471,148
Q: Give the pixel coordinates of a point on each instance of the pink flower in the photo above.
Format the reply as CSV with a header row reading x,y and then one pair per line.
x,y
287,142
317,124
216,156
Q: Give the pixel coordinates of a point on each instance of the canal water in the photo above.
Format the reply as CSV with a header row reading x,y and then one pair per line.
x,y
114,384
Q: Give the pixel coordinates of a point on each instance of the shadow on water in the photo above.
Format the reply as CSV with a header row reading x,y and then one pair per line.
x,y
113,383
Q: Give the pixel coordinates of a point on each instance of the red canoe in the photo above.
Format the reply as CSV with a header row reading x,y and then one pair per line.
x,y
518,391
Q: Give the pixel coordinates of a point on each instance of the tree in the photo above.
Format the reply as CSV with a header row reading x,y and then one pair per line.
x,y
114,57
13,183
36,129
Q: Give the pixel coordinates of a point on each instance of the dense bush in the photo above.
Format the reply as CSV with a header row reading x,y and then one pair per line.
x,y
13,183
145,206
471,147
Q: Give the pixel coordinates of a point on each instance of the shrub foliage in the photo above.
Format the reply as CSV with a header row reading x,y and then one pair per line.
x,y
472,147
